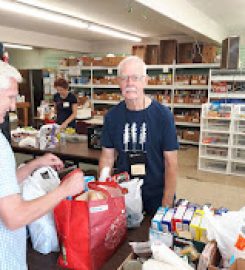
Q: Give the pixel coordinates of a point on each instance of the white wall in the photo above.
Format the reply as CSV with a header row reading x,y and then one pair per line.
x,y
38,58
105,47
14,35
125,48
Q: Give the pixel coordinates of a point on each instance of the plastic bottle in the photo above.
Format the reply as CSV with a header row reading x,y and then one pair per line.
x,y
62,138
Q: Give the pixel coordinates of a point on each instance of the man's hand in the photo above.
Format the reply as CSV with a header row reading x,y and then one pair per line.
x,y
45,160
167,201
73,183
63,126
50,160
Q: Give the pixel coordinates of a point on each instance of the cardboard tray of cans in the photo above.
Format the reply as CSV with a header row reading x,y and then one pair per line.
x,y
191,135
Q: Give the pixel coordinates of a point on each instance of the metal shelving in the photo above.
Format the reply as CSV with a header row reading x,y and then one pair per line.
x,y
151,89
214,154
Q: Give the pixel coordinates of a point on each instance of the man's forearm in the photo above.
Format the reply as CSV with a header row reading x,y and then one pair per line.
x,y
170,185
107,159
105,163
23,172
30,210
171,168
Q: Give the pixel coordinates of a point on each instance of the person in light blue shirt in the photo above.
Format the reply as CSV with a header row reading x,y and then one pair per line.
x,y
15,213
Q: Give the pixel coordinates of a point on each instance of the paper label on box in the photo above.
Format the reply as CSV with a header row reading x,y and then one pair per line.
x,y
99,208
178,225
74,70
185,226
110,71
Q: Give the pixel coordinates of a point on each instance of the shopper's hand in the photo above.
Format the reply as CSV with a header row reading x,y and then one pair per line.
x,y
63,126
73,183
167,201
50,160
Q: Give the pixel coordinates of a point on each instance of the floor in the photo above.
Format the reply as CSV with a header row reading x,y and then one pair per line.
x,y
197,186
204,187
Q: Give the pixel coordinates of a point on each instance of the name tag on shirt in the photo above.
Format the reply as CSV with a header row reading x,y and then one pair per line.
x,y
66,104
138,169
137,163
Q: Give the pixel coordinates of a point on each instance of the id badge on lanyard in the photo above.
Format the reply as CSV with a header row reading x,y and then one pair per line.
x,y
137,163
134,140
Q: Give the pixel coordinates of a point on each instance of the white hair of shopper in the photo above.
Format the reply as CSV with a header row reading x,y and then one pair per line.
x,y
6,73
132,59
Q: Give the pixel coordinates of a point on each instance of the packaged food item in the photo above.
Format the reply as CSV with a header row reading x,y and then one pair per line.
x,y
187,218
178,218
167,220
195,224
156,222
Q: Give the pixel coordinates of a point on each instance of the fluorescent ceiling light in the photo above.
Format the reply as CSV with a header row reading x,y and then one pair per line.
x,y
43,14
40,10
111,32
17,46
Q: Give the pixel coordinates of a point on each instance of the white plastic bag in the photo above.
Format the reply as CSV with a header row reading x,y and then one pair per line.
x,y
42,231
133,201
225,230
152,264
162,253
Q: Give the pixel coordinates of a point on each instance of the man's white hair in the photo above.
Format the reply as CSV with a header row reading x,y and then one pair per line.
x,y
6,73
133,59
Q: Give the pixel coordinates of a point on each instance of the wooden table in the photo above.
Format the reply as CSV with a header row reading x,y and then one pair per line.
x,y
77,152
37,261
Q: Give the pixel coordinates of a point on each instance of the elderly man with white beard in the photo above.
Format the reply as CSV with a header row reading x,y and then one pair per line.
x,y
140,133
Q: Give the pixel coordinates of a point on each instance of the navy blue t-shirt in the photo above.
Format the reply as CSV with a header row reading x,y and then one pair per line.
x,y
157,123
64,108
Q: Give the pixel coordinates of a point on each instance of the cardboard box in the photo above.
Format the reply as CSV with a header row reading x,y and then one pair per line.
x,y
210,257
238,265
167,221
111,61
98,61
178,218
152,55
130,257
187,218
195,224
191,135
230,53
156,222
168,52
86,60
72,61
181,118
215,258
139,50
185,53
209,53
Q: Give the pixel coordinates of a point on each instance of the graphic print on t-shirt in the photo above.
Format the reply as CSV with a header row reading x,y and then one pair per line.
x,y
134,138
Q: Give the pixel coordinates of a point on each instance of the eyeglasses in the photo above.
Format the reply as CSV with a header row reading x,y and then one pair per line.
x,y
133,78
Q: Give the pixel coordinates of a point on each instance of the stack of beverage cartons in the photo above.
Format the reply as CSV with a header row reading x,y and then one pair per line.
x,y
185,219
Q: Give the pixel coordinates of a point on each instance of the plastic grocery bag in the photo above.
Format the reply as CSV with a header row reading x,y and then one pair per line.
x,y
133,201
225,230
42,231
164,254
152,264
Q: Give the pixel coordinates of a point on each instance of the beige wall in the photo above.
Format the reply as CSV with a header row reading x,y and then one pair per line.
x,y
38,58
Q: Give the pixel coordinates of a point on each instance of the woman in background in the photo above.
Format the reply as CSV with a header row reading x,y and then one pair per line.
x,y
65,104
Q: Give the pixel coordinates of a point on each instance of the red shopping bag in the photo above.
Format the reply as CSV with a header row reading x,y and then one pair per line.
x,y
91,231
